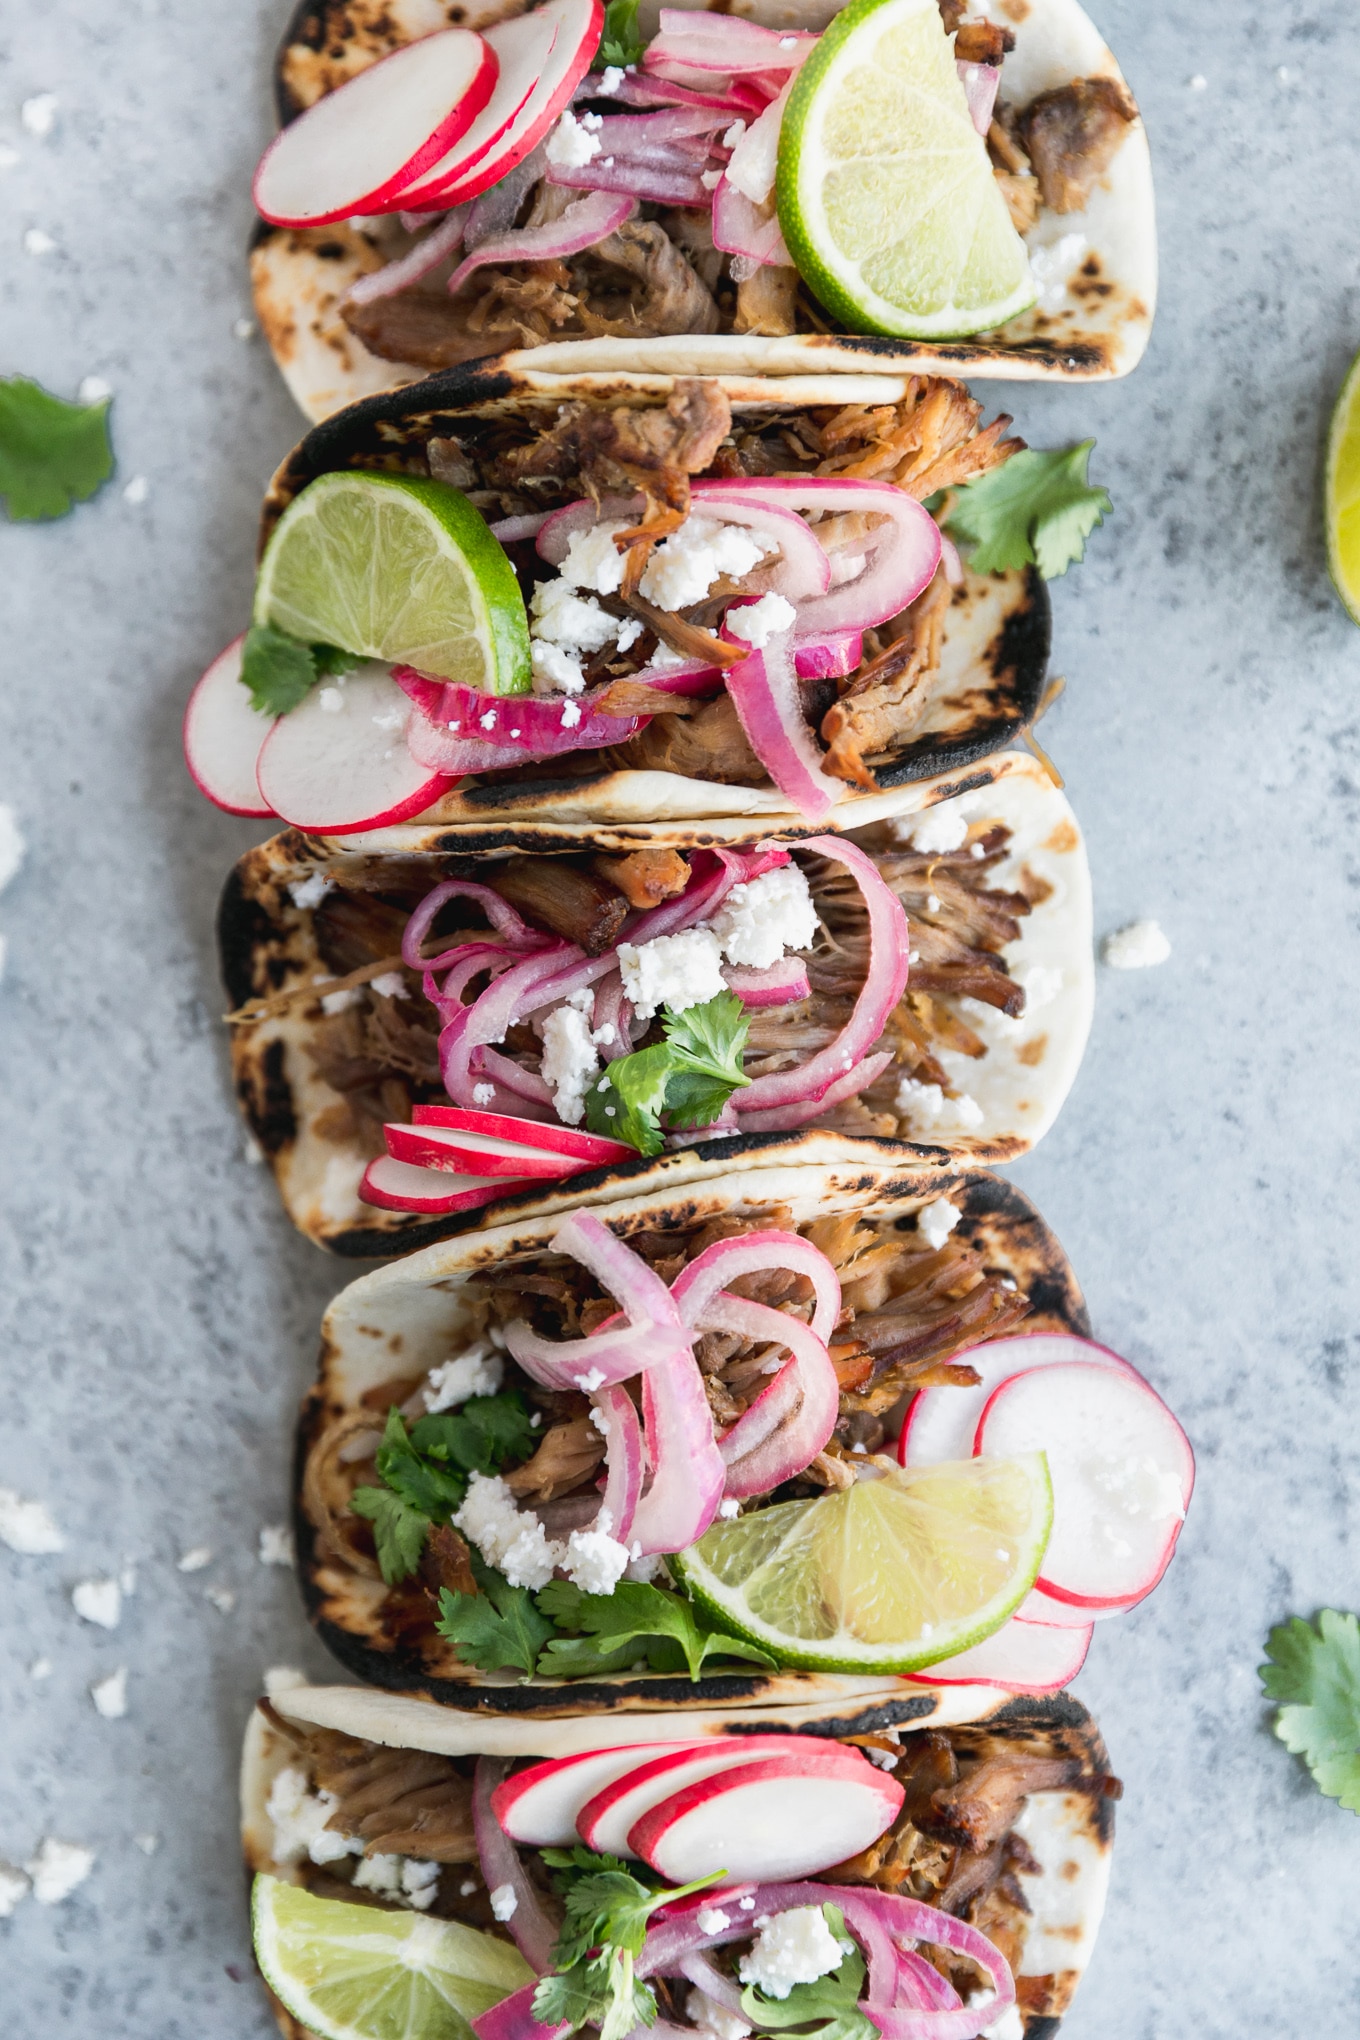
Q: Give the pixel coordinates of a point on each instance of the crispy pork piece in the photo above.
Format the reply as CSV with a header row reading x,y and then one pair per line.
x,y
557,895
710,745
1072,135
646,877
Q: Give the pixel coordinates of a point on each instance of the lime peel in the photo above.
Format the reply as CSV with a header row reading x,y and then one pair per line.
x,y
397,568
885,190
898,1572
1343,493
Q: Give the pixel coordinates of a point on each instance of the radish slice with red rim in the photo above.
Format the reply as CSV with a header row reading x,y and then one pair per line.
x,y
564,1140
1122,1473
782,1816
1022,1657
941,1423
522,46
398,1186
540,1805
339,762
361,145
608,1816
438,1147
224,734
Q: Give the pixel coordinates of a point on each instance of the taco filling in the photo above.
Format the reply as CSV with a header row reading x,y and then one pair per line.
x,y
749,600
698,181
687,1453
747,1884
655,997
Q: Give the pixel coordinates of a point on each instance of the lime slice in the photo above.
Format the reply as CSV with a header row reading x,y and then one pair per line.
x,y
355,1972
1343,492
894,1573
885,189
392,567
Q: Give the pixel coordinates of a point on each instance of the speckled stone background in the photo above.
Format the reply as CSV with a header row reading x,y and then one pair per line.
x,y
158,1316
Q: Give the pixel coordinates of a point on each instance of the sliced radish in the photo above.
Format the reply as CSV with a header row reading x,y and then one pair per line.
x,y
223,736
1122,1472
437,1147
540,1806
549,51
1023,1657
562,1140
338,761
607,1819
380,131
1042,1611
941,1423
777,1820
396,1186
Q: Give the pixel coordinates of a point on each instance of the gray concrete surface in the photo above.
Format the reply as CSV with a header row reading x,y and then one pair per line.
x,y
158,1317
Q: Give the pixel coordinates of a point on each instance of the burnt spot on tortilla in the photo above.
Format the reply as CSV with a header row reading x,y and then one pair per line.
x,y
328,42
986,717
266,1098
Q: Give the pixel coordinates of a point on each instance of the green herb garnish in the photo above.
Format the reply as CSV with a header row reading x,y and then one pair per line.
x,y
280,671
620,43
425,1472
498,1628
1039,509
52,454
687,1078
1314,1673
610,1632
827,2009
607,1910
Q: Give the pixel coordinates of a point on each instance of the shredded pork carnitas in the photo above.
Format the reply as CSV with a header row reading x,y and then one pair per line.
x,y
380,1052
953,1846
927,443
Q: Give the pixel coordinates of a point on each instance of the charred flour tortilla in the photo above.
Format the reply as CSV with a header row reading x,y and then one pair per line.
x,y
998,1269
1094,260
316,1086
1029,1864
954,678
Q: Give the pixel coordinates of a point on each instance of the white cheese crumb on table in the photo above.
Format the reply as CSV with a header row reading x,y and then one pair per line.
x,y
276,1545
27,1526
1136,947
98,1601
110,1695
195,1559
13,1889
57,1869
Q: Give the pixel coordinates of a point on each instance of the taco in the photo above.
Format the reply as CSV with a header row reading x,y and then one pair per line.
x,y
659,247
581,655
365,1816
945,951
944,1483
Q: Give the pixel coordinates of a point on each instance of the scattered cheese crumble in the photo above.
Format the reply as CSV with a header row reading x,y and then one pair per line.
x,y
12,847
27,1526
927,1105
794,1947
1136,947
936,1220
479,1371
410,1880
110,1695
309,892
515,1544
936,832
757,922
684,566
504,1901
678,971
570,1058
13,1889
710,2017
276,1545
98,1601
755,623
57,1869
571,145
390,984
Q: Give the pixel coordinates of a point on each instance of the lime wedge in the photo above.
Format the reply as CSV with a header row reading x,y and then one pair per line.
x,y
894,1573
392,567
355,1972
885,189
1343,492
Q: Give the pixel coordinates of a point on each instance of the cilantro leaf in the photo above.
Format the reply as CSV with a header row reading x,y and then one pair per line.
x,y
497,1628
620,42
279,671
827,2009
331,660
1037,509
487,1433
1315,1675
422,1483
52,454
627,1102
689,1076
605,1925
398,1530
614,1630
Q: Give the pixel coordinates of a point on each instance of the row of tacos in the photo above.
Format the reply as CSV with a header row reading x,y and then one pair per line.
x,y
715,1485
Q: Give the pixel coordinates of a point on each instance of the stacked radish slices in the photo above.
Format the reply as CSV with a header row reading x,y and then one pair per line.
x,y
432,125
682,1807
1122,1473
453,1159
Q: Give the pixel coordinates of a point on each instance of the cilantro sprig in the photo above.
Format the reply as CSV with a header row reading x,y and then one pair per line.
x,y
683,1081
1314,1675
606,1914
620,42
610,1632
827,2009
281,671
563,1633
53,455
1039,509
425,1471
